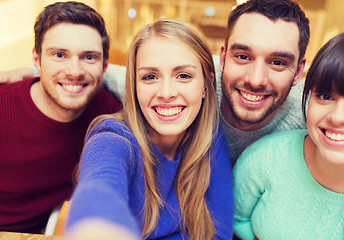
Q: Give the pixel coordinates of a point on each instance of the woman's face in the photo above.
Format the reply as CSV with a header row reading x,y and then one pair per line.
x,y
325,123
169,85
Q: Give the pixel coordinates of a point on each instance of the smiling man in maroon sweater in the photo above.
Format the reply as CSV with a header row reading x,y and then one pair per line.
x,y
44,120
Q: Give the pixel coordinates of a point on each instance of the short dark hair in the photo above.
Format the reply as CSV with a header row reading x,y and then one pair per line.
x,y
69,12
274,10
326,74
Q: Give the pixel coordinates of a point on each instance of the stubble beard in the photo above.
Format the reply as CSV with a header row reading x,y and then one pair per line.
x,y
250,117
58,101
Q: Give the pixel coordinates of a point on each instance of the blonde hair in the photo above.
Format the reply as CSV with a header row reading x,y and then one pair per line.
x,y
193,174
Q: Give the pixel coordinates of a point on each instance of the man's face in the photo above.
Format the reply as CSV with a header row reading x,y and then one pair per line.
x,y
71,66
258,70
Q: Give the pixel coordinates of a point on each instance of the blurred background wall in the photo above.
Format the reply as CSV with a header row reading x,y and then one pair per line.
x,y
125,17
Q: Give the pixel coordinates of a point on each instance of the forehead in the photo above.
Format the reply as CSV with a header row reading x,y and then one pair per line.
x,y
164,51
260,33
70,36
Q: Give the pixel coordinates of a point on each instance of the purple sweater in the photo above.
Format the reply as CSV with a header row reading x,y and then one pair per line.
x,y
111,184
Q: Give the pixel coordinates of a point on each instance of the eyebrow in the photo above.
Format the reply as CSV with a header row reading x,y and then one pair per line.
x,y
66,50
174,69
238,46
55,48
283,54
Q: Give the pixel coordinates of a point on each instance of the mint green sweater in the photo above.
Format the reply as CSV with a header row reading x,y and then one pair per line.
x,y
276,196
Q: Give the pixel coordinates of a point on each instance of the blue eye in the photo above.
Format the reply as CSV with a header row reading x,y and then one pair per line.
x,y
59,55
90,57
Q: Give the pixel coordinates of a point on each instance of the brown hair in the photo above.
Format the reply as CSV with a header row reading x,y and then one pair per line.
x,y
285,10
70,12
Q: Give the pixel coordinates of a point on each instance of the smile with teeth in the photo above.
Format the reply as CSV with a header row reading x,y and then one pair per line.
x,y
251,97
334,136
72,87
168,112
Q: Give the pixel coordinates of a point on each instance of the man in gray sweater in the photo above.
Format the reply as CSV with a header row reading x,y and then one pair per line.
x,y
262,62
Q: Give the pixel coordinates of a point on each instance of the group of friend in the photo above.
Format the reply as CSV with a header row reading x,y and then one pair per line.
x,y
192,146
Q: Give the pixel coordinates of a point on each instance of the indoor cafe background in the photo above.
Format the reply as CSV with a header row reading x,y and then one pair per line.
x,y
124,17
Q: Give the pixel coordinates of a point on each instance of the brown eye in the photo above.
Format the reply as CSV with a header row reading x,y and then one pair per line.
x,y
325,97
149,77
278,63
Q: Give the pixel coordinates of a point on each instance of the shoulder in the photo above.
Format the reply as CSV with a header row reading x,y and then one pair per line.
x,y
103,103
297,90
294,99
219,141
114,80
109,147
112,134
219,137
290,114
274,147
21,85
282,136
108,124
16,93
114,69
112,129
277,140
104,95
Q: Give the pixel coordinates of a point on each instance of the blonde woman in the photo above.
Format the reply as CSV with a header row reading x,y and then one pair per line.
x,y
159,169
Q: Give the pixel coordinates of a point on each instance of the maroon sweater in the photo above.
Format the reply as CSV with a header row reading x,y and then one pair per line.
x,y
38,156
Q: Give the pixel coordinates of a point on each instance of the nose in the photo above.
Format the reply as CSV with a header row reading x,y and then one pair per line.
x,y
257,74
167,89
337,114
74,70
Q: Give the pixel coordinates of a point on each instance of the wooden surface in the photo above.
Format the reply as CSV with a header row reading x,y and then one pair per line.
x,y
59,229
26,236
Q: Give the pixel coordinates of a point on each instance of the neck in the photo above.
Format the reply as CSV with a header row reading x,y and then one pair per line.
x,y
167,145
49,108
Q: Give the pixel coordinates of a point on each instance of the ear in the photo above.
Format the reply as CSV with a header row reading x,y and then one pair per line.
x,y
222,57
204,92
212,79
299,71
36,60
106,64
